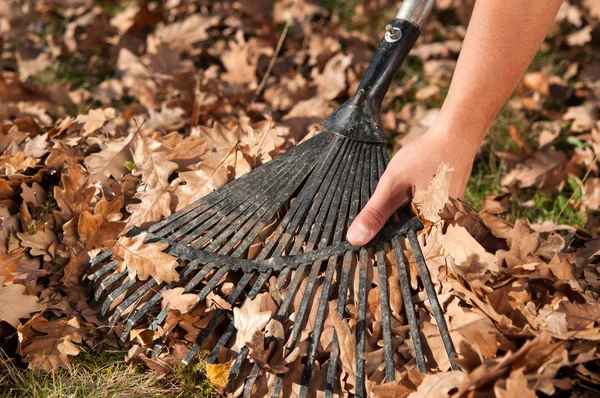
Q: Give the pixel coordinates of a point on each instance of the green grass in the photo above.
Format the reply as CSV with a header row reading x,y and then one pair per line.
x,y
101,375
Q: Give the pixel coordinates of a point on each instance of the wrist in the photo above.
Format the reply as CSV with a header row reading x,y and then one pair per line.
x,y
460,131
456,140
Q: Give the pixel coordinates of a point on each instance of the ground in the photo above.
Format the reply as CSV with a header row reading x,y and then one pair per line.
x,y
104,84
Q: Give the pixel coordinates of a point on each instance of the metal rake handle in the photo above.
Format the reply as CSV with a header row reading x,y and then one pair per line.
x,y
415,11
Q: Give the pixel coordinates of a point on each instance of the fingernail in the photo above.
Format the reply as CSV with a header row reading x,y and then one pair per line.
x,y
359,233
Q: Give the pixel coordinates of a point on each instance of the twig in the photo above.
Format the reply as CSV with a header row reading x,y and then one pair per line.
x,y
263,82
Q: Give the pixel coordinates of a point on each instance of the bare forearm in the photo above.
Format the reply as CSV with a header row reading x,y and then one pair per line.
x,y
502,39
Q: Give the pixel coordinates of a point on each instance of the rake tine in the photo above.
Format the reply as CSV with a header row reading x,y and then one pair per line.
x,y
155,299
216,320
112,296
356,176
305,149
362,300
341,201
384,304
409,306
106,283
332,196
103,271
301,205
436,308
377,169
100,257
361,323
250,382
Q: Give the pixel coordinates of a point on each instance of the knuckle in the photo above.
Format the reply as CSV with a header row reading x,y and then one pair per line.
x,y
375,215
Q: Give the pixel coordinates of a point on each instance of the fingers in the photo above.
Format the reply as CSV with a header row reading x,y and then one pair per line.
x,y
388,196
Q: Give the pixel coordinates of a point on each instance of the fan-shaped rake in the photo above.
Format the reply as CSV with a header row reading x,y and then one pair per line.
x,y
304,201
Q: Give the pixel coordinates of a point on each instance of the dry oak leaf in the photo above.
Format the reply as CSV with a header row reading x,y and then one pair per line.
x,y
177,299
151,161
458,244
95,119
145,259
241,69
155,204
430,202
42,243
332,81
273,358
75,195
199,183
110,161
514,386
253,316
347,343
546,170
16,163
439,385
15,304
218,374
181,36
47,345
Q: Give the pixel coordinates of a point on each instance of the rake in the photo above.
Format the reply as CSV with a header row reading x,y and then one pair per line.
x,y
305,199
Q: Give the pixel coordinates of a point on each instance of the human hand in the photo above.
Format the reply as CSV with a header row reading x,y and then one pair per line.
x,y
415,164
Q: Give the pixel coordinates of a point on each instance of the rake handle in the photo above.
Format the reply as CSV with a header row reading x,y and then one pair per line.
x,y
359,118
415,11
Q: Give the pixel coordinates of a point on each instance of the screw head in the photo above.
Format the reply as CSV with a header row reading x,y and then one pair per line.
x,y
392,33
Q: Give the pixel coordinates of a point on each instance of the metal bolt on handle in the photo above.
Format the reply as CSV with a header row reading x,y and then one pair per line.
x,y
392,33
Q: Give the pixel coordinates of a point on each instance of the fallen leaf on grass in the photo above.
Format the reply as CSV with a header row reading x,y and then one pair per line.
x,y
218,374
47,345
15,304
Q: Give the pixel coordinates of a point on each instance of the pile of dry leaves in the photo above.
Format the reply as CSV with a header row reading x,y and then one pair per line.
x,y
116,115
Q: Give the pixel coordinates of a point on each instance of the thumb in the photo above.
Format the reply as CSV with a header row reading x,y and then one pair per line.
x,y
384,202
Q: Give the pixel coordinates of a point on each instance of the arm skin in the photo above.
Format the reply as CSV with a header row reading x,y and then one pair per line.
x,y
502,39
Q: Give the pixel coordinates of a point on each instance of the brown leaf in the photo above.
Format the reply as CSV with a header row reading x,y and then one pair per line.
x,y
110,161
546,170
332,81
15,304
199,183
515,386
145,259
47,345
176,299
95,119
241,69
439,385
154,205
42,243
152,164
431,201
253,316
